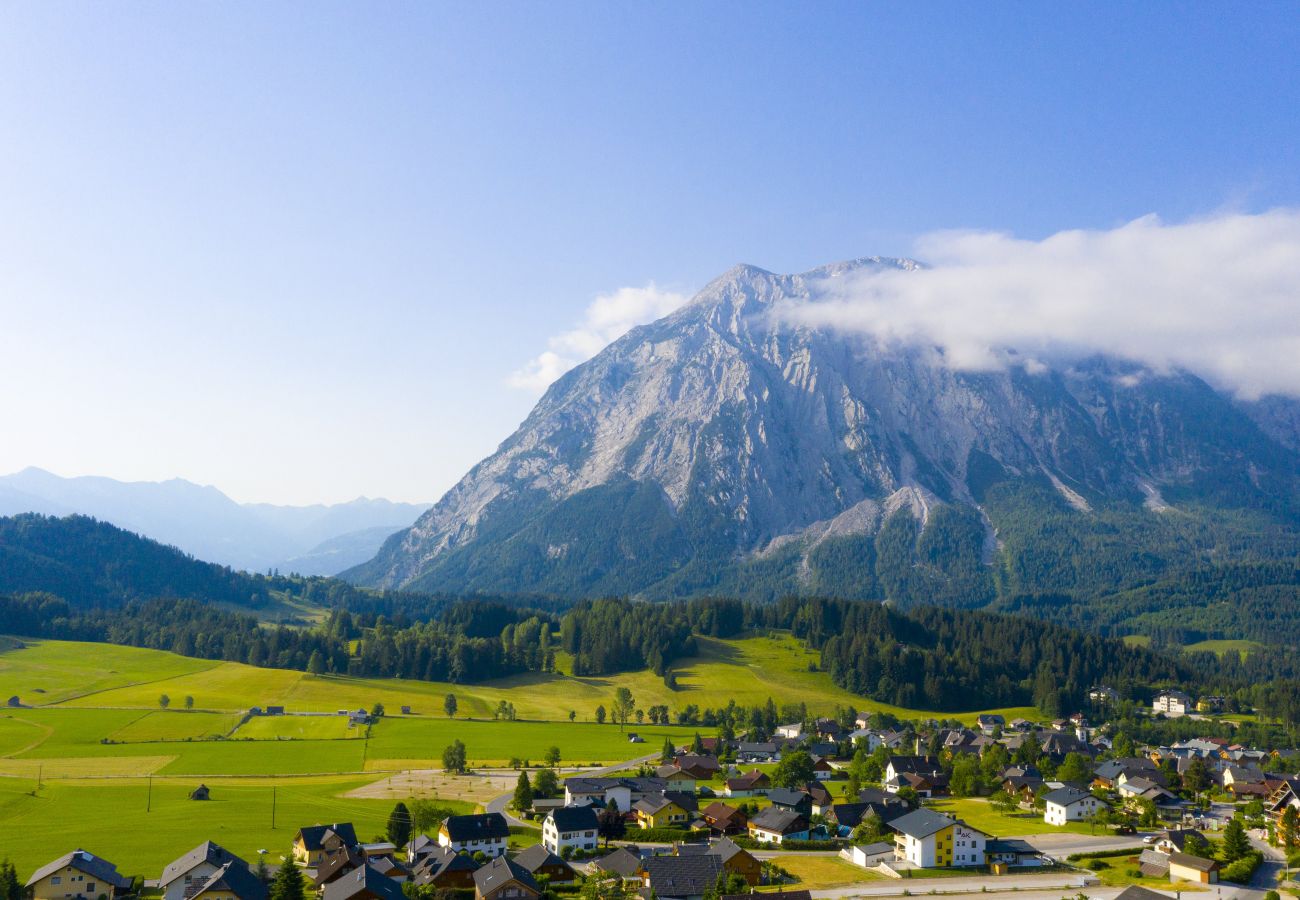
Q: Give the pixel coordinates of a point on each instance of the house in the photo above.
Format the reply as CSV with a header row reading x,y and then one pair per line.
x,y
78,875
1175,841
1069,804
1171,703
600,791
365,883
622,862
675,779
311,844
828,728
201,793
1023,787
788,798
1102,695
1137,892
537,860
847,816
660,812
822,768
336,865
757,752
773,895
868,856
793,731
681,877
698,766
926,766
724,819
737,861
989,723
572,827
1114,772
776,824
1012,853
486,832
505,879
442,867
197,865
542,807
928,839
751,784
820,797
1185,867
233,881
1210,704
1286,794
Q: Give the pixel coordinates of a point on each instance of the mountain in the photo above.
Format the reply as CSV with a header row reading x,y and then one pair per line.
x,y
206,523
721,449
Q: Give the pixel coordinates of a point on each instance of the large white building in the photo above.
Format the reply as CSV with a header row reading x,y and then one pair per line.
x,y
929,839
571,826
1172,703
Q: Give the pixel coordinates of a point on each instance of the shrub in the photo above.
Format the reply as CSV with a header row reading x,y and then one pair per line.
x,y
1242,870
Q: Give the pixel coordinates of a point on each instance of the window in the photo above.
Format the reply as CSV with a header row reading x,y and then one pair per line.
x,y
56,880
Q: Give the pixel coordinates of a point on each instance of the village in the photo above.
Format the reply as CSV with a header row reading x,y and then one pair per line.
x,y
1014,804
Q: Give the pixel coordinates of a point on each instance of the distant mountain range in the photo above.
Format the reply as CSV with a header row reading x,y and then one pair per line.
x,y
723,450
202,521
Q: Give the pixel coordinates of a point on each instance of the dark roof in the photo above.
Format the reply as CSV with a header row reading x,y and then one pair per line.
x,y
775,895
1186,860
1137,892
207,852
97,867
1066,796
747,780
574,818
621,862
537,856
920,823
850,815
1009,845
234,877
778,820
1178,837
314,835
477,827
725,848
362,880
502,871
337,864
788,797
682,876
434,863
915,765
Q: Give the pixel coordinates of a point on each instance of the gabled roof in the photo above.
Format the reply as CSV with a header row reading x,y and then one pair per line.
x,y
652,805
682,876
621,862
314,836
1066,796
726,848
774,895
233,877
921,823
1187,861
748,780
337,864
433,864
500,872
207,851
537,856
788,797
363,880
574,818
477,827
778,820
1137,892
97,867
915,765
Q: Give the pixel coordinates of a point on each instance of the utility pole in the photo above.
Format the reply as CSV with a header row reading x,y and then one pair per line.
x,y
273,807
40,767
148,802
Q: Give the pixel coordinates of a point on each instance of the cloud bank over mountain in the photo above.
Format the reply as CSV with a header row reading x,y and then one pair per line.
x,y
607,318
1219,296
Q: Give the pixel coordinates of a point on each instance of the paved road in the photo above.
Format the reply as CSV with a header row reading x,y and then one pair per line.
x,y
1052,885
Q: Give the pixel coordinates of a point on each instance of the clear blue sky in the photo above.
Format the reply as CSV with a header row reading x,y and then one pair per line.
x,y
296,250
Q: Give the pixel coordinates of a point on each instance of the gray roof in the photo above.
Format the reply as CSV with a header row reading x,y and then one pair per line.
x,y
502,871
536,856
1200,863
682,876
778,820
477,827
1137,892
920,823
234,877
621,862
574,818
205,852
1066,796
364,879
97,867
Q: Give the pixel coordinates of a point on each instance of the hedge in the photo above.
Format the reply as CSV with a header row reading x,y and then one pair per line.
x,y
1243,869
665,835
809,845
1103,854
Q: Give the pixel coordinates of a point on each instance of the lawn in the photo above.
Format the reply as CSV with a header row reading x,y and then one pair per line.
x,y
111,819
748,670
976,812
298,728
1115,872
818,872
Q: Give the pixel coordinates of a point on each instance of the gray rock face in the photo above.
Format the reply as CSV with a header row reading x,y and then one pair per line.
x,y
721,434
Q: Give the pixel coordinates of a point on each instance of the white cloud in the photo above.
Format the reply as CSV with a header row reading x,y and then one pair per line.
x,y
1217,296
607,318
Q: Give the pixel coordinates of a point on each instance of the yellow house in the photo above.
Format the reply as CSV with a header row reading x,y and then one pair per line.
x,y
312,844
930,839
659,812
78,875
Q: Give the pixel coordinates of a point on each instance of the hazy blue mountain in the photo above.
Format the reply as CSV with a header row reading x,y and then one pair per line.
x,y
206,523
723,449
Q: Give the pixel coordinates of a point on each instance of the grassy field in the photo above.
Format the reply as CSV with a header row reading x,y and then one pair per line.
x,y
298,728
748,670
976,812
1241,648
110,819
818,872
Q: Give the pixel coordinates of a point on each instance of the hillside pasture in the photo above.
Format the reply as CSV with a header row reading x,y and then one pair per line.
x,y
275,728
45,672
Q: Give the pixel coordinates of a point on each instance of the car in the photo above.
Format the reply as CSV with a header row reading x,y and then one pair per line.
x,y
1149,839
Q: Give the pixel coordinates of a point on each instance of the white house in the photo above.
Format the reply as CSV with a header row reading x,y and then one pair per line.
x,y
570,826
930,839
1172,703
1069,804
790,732
487,832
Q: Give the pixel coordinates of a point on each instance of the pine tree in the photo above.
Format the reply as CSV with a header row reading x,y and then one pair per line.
x,y
288,883
523,793
399,825
1235,843
669,751
316,664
